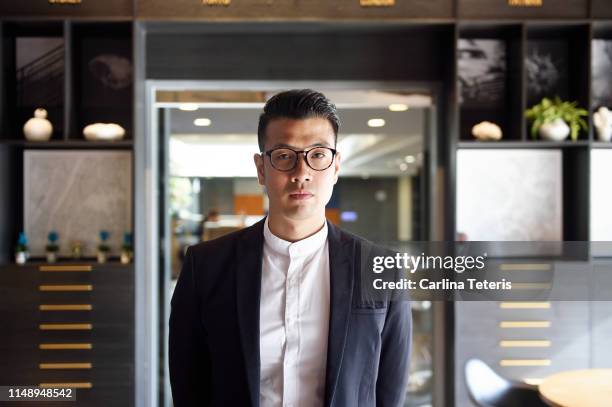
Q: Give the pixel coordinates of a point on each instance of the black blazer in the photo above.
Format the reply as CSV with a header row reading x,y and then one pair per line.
x,y
214,327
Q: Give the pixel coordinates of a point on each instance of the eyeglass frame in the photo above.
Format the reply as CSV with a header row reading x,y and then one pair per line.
x,y
305,155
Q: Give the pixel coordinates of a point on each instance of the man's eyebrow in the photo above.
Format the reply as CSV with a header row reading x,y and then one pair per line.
x,y
319,144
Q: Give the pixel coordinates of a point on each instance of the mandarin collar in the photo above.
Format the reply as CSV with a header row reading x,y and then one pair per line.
x,y
301,248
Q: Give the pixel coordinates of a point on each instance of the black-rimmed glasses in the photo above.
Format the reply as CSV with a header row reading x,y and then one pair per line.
x,y
317,158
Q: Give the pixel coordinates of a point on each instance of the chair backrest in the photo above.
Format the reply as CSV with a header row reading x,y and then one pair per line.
x,y
488,389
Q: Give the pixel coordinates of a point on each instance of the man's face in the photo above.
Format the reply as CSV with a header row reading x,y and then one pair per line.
x,y
302,193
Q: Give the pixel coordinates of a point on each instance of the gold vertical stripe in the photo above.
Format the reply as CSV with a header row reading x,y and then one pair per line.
x,y
524,305
65,307
524,362
85,365
65,327
524,324
525,267
65,268
74,385
53,346
66,287
524,343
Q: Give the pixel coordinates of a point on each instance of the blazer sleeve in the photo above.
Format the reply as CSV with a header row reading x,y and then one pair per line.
x,y
189,357
394,365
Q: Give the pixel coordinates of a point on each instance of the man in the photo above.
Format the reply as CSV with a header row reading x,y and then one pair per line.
x,y
272,315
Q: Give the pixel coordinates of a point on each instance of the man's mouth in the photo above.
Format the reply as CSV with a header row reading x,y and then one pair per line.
x,y
299,195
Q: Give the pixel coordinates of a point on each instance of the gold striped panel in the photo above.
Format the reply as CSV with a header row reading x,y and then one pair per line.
x,y
524,343
65,327
65,307
54,346
533,381
525,267
524,305
66,268
75,385
66,287
524,324
524,362
45,366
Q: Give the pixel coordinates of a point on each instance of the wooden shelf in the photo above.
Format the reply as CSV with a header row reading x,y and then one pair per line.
x,y
69,144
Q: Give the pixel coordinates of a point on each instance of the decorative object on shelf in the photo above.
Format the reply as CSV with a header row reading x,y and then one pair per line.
x,y
76,248
103,247
487,131
602,119
127,250
21,250
555,119
38,128
52,247
103,131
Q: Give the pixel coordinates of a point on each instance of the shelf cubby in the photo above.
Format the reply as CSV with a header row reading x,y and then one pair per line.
x,y
489,78
33,55
102,75
555,65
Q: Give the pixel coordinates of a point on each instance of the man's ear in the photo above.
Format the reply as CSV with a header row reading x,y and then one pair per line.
x,y
336,167
259,164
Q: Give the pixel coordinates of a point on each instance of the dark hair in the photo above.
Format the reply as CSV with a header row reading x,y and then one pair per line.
x,y
297,104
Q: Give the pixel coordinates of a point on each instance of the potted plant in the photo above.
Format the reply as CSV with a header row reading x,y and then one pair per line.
x,y
52,247
556,119
103,247
21,249
126,248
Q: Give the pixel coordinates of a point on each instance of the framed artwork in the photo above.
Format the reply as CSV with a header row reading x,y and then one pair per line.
x,y
482,73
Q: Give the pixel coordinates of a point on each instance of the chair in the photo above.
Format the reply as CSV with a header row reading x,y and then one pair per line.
x,y
488,389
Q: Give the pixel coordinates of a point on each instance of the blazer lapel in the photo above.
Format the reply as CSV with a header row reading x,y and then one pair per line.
x,y
341,264
249,251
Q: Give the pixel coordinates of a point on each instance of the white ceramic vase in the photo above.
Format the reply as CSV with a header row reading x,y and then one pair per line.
x,y
38,128
556,130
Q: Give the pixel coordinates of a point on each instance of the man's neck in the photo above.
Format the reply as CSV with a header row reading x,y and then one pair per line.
x,y
293,231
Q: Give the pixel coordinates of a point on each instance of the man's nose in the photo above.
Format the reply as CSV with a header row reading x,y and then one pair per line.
x,y
301,172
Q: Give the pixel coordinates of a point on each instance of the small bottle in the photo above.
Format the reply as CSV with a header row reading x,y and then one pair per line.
x,y
21,250
52,247
103,247
126,248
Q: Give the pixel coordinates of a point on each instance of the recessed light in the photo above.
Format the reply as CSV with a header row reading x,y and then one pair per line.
x,y
398,107
403,166
376,122
409,159
188,107
203,121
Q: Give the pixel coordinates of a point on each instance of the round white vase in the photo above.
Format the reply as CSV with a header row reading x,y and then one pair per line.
x,y
38,128
556,130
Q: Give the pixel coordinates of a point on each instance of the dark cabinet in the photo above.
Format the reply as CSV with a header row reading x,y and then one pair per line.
x,y
67,326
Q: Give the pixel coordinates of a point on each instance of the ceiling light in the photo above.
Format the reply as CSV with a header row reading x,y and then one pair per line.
x,y
409,159
188,107
203,121
403,166
376,122
398,107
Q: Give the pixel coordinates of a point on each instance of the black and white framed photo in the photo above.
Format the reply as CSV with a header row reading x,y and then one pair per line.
x,y
547,70
602,73
482,73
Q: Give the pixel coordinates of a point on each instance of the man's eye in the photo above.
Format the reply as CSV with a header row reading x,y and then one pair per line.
x,y
318,155
282,156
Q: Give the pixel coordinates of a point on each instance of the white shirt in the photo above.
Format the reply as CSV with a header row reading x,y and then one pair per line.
x,y
294,320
